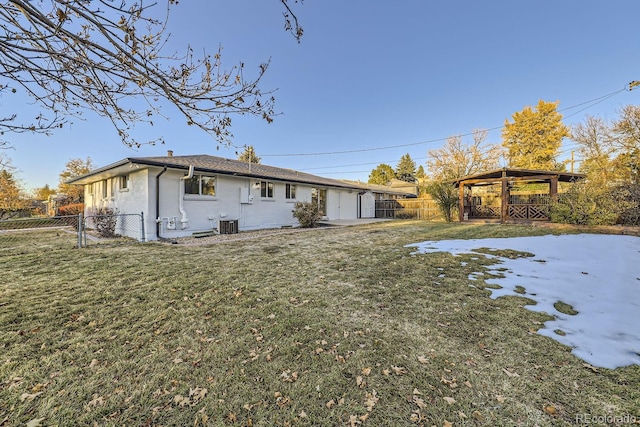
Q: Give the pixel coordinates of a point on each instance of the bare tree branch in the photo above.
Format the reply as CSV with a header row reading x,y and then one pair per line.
x,y
106,56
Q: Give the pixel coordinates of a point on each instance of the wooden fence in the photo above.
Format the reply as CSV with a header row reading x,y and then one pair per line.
x,y
425,209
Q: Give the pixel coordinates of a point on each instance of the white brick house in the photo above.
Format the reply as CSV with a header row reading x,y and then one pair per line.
x,y
180,195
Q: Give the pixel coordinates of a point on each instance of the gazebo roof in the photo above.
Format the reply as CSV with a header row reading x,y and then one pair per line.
x,y
519,174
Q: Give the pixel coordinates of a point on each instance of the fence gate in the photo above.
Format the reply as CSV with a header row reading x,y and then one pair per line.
x,y
113,228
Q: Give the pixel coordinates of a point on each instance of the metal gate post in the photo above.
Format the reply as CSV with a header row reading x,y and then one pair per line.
x,y
80,230
142,226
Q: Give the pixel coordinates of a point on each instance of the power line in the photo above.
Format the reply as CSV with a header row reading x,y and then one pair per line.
x,y
591,103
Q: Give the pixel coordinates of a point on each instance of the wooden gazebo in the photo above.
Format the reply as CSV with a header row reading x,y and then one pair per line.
x,y
501,205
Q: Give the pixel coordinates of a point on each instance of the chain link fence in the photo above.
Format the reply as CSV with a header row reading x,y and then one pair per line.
x,y
113,228
41,233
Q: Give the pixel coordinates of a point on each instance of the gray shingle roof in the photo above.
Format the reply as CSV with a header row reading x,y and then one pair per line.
x,y
220,165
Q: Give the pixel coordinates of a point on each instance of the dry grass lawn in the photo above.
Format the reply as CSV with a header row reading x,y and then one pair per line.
x,y
334,326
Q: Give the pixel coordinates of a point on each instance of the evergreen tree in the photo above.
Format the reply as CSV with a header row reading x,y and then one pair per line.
x,y
406,169
534,137
382,175
249,155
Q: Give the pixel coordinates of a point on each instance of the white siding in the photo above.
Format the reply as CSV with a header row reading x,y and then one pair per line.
x,y
203,212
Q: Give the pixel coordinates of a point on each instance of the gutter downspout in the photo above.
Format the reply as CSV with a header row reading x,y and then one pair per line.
x,y
158,220
184,221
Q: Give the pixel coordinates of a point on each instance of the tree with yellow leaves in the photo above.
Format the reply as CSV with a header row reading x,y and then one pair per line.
x,y
534,137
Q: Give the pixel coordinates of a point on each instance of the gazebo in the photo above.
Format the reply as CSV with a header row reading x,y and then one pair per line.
x,y
499,204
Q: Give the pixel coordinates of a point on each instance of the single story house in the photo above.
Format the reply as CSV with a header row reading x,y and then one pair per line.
x,y
182,195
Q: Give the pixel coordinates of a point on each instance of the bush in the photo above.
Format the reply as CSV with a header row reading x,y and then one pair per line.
x,y
71,209
628,198
588,204
307,214
446,197
105,220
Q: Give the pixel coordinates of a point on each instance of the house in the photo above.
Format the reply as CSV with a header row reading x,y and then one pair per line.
x,y
182,195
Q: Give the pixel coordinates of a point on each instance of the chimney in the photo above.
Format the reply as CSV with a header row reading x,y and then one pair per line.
x,y
169,153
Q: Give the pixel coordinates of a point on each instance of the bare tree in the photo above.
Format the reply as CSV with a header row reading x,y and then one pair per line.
x,y
107,56
456,159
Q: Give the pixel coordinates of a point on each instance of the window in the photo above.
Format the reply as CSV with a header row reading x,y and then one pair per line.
x,y
123,183
290,191
105,190
266,189
201,185
319,197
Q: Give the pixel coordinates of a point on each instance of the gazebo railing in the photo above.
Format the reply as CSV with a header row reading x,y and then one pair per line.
x,y
535,212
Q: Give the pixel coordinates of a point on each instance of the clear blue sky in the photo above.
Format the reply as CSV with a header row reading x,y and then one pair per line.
x,y
370,74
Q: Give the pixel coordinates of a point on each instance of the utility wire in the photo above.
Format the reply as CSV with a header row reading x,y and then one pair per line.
x,y
591,103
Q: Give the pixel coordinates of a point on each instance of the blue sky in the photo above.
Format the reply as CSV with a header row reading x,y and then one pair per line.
x,y
371,74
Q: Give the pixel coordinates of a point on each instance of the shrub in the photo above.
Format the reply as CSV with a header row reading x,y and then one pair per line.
x,y
71,209
628,198
588,204
307,214
445,196
105,220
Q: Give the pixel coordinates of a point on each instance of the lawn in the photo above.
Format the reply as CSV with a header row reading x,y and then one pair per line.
x,y
334,326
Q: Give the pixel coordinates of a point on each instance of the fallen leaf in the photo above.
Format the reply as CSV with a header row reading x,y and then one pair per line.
x,y
589,366
360,382
423,360
509,373
353,420
551,410
94,362
500,398
398,370
419,402
38,387
29,396
447,424
302,414
477,415
449,400
370,400
366,371
35,422
364,417
417,392
330,404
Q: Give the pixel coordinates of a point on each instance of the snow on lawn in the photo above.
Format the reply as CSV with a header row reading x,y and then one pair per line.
x,y
598,275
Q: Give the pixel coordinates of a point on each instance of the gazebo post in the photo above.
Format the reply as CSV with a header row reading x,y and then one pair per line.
x,y
504,205
461,202
553,188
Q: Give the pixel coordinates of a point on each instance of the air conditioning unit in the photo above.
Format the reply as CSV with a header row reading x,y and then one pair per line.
x,y
228,226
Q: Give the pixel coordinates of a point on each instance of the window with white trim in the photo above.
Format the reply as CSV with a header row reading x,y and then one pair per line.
x,y
266,189
123,182
202,185
290,191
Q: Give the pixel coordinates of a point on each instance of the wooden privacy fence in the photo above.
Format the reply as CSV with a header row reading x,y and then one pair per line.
x,y
425,209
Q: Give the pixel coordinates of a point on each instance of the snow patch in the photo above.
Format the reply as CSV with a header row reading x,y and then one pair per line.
x,y
598,275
